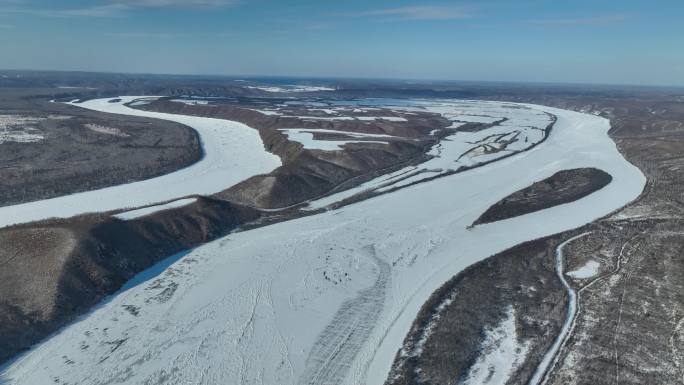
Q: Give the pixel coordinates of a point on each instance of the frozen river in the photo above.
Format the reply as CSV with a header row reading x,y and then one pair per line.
x,y
232,152
329,298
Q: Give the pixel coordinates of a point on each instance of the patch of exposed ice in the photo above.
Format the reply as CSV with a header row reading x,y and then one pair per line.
x,y
587,271
138,213
501,354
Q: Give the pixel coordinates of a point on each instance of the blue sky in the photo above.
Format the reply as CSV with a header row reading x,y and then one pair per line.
x,y
598,41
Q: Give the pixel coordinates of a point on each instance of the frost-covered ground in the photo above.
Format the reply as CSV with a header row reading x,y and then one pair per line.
x,y
502,354
325,299
588,270
233,152
106,130
20,129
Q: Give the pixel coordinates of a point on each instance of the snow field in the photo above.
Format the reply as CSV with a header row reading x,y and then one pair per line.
x,y
306,137
587,271
502,354
19,129
287,89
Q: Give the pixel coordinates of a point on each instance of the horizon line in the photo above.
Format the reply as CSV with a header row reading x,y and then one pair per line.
x,y
342,78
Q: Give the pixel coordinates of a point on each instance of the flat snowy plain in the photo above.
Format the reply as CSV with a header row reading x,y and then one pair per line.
x,y
233,152
325,299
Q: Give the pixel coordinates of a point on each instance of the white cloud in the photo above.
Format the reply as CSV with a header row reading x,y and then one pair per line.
x,y
174,3
593,20
116,8
418,12
142,35
110,10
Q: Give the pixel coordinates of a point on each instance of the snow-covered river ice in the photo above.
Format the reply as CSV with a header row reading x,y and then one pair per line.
x,y
329,298
233,152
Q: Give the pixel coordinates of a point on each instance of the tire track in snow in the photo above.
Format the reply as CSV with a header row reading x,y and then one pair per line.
x,y
335,348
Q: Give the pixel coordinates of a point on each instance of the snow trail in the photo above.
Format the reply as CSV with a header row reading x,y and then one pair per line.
x,y
341,340
551,357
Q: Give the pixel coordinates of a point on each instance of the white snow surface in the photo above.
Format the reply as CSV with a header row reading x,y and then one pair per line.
x,y
19,129
523,127
106,130
192,102
287,89
139,213
233,152
550,358
329,298
306,137
267,112
26,135
502,354
587,271
387,118
326,110
362,118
